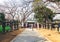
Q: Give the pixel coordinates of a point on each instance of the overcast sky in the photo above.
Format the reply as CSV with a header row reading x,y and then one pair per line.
x,y
1,1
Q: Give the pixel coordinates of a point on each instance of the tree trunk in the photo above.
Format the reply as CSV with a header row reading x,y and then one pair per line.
x,y
3,25
45,23
48,26
17,26
22,24
58,29
51,26
43,26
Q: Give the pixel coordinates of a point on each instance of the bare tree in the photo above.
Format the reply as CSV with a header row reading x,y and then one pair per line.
x,y
26,12
12,7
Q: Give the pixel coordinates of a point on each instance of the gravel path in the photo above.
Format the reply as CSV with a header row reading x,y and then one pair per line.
x,y
29,36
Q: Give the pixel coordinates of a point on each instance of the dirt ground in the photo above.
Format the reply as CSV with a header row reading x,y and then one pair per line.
x,y
52,35
10,35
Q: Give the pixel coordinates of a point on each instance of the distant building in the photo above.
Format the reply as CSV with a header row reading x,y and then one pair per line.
x,y
31,23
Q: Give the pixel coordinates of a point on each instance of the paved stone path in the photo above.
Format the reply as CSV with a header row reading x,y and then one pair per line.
x,y
29,36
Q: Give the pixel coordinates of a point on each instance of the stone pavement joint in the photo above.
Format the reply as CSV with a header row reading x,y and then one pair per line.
x,y
29,36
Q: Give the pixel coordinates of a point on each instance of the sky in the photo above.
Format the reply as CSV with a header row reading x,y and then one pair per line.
x,y
54,8
1,1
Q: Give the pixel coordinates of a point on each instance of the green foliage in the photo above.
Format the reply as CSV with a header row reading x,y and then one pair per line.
x,y
1,28
37,2
42,13
7,28
2,17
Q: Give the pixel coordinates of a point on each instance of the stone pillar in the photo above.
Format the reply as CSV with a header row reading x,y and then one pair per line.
x,y
22,24
26,24
37,25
